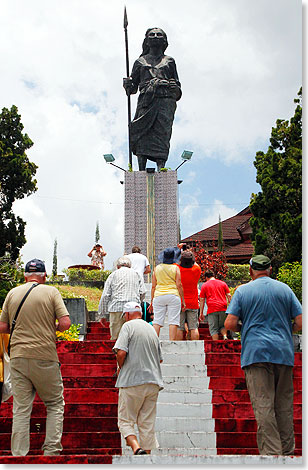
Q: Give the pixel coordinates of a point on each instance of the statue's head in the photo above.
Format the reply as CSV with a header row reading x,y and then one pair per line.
x,y
159,34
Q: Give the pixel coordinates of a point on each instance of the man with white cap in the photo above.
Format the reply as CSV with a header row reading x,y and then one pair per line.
x,y
139,379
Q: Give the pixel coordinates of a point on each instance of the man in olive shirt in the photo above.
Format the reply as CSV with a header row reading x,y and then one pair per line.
x,y
34,360
139,379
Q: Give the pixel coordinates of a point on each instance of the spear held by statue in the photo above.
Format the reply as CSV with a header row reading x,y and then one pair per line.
x,y
130,160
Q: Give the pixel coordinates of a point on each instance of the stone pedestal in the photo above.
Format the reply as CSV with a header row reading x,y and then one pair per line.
x,y
151,212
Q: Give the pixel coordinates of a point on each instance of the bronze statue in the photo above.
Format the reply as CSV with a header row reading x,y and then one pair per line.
x,y
156,75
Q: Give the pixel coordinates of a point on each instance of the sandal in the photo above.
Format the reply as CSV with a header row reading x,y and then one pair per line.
x,y
140,452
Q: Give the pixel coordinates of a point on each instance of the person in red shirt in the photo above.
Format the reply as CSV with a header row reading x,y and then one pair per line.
x,y
216,294
190,275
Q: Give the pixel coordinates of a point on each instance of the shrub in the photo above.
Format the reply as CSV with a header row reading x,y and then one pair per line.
x,y
72,334
215,262
291,274
238,272
75,274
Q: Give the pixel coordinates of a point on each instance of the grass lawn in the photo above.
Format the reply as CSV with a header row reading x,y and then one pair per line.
x,y
91,295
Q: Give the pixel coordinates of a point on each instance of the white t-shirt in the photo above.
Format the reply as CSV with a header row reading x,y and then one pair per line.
x,y
139,262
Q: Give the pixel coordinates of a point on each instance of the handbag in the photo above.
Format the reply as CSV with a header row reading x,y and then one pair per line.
x,y
7,386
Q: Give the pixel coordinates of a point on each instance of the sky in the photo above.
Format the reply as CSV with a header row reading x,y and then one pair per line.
x,y
239,64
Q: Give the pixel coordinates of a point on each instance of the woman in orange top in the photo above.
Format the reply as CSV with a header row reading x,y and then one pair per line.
x,y
190,275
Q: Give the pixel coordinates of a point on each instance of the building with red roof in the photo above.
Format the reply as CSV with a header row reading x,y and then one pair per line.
x,y
236,231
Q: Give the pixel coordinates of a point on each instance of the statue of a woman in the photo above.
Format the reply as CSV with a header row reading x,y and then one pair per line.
x,y
156,76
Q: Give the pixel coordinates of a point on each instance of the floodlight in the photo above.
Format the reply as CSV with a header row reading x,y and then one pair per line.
x,y
186,155
109,158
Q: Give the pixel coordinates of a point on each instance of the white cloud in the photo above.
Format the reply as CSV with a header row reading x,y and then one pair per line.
x,y
211,216
239,62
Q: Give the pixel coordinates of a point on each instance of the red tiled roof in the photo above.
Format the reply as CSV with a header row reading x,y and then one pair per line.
x,y
242,249
230,229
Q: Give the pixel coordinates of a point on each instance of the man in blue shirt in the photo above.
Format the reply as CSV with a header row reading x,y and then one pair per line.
x,y
266,308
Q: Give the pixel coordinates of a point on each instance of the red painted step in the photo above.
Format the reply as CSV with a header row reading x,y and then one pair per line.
x,y
79,451
243,410
87,358
245,425
89,382
222,370
239,383
223,439
90,410
235,358
71,424
100,336
242,396
57,460
222,346
72,440
88,370
85,395
98,347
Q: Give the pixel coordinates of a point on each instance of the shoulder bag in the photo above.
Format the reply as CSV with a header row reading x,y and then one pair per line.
x,y
7,386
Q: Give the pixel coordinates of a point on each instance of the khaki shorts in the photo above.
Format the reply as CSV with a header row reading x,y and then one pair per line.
x,y
216,321
190,316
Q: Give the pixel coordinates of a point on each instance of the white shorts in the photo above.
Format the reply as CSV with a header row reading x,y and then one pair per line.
x,y
170,304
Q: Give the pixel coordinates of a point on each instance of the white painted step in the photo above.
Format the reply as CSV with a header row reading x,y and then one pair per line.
x,y
205,458
186,383
186,396
184,347
171,440
176,451
183,370
192,410
190,424
186,358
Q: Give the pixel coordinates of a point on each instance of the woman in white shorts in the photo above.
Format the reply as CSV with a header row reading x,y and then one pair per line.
x,y
167,292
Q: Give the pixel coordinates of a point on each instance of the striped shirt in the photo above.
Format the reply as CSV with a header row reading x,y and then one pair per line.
x,y
123,285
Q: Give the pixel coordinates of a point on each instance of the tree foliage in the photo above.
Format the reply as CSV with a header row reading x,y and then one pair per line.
x,y
16,180
220,240
10,274
97,235
277,209
55,259
291,274
215,262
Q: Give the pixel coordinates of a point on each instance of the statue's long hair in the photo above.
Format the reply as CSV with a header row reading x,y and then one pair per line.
x,y
145,46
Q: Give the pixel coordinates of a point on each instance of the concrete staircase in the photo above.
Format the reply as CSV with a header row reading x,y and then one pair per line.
x,y
204,409
184,423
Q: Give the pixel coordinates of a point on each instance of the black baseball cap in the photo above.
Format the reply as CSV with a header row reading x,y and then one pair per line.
x,y
35,266
260,262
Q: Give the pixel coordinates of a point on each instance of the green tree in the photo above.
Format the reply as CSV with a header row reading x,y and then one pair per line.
x,y
220,240
97,235
277,209
55,259
16,180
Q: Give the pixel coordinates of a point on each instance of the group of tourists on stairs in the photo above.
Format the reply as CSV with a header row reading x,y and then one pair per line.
x,y
174,292
266,312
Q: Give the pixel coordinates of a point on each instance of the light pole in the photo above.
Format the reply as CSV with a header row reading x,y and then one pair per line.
x,y
109,158
186,155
